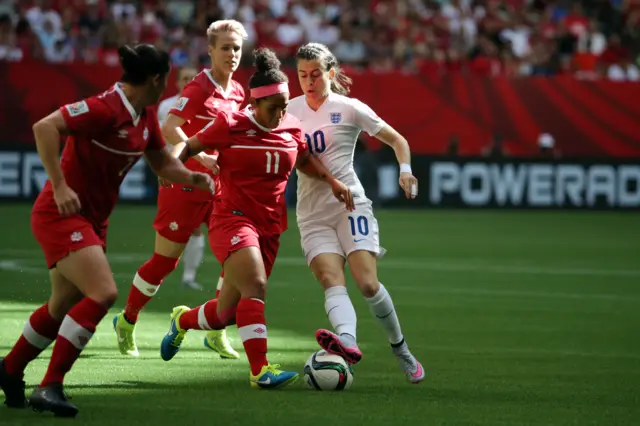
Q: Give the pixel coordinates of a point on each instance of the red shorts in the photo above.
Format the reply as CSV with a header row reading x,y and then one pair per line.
x,y
58,236
231,234
181,210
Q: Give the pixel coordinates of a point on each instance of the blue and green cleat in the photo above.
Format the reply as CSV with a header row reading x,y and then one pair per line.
x,y
173,339
271,377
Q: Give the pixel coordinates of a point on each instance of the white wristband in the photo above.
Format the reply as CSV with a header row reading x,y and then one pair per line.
x,y
405,168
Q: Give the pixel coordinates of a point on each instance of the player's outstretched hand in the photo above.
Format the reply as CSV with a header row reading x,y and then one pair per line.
x,y
203,181
343,194
209,161
66,199
409,185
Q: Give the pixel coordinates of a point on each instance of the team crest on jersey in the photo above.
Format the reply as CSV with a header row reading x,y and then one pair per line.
x,y
145,134
336,117
180,103
77,108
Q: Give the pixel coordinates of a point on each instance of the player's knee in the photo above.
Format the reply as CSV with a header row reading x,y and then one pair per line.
x,y
328,277
367,283
257,289
106,296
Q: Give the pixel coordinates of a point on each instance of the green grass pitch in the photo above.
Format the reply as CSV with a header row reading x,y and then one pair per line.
x,y
519,319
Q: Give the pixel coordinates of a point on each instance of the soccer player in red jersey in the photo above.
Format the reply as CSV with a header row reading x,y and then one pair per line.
x,y
258,147
181,209
105,137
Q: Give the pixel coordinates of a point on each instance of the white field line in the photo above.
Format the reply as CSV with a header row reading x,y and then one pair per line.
x,y
439,265
25,264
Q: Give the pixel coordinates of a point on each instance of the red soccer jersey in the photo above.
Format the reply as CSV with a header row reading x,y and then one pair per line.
x,y
107,139
255,164
201,100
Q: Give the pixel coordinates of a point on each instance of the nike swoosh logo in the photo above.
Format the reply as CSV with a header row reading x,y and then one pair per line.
x,y
266,381
357,241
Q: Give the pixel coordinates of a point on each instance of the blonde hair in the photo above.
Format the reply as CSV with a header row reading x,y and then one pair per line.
x,y
227,25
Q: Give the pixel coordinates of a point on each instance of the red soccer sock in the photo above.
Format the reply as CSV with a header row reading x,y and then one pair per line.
x,y
146,284
76,330
253,331
205,317
38,333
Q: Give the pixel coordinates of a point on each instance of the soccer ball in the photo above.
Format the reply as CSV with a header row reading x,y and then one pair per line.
x,y
324,371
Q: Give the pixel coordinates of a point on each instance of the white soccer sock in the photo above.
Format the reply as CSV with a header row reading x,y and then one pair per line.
x,y
382,308
340,311
192,257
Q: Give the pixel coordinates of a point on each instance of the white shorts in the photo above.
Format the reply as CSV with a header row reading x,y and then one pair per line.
x,y
341,233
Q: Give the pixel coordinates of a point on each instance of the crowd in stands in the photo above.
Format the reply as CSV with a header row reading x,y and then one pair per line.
x,y
589,38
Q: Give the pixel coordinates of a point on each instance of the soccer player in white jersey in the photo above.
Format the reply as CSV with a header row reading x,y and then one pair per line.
x,y
183,76
194,251
329,233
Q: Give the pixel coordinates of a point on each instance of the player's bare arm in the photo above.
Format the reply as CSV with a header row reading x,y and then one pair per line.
x,y
47,134
173,134
190,148
312,167
400,145
166,166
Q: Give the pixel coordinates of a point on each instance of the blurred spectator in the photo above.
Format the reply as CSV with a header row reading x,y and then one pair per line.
x,y
496,148
453,147
510,38
547,147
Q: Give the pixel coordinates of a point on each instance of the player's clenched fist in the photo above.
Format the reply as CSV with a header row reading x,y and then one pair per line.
x,y
203,181
66,199
409,184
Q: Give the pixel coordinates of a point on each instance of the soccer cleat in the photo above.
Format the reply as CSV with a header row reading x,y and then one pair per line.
x,y
13,388
52,398
126,335
409,364
217,341
191,285
271,377
171,342
334,344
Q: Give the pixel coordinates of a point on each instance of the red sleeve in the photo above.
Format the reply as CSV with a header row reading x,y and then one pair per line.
x,y
216,134
302,144
156,140
87,117
190,101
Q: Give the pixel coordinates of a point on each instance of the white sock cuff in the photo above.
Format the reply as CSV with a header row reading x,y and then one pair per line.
x,y
379,296
335,291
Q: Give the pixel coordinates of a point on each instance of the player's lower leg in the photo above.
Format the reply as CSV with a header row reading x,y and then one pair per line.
x,y
191,261
342,317
217,340
39,332
382,308
252,329
76,330
145,285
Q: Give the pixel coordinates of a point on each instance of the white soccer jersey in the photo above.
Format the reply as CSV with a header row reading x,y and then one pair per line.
x,y
331,133
164,107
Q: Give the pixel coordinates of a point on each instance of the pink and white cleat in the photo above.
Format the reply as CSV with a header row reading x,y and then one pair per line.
x,y
409,364
334,344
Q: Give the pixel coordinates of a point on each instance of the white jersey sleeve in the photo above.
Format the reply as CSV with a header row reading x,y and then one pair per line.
x,y
165,107
366,118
